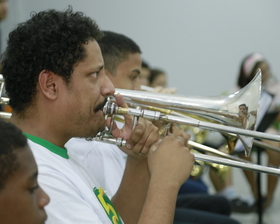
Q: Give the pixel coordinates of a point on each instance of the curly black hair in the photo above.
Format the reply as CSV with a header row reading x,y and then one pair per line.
x,y
11,141
115,49
51,40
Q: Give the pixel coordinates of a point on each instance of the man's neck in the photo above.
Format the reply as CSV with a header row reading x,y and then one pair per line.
x,y
40,127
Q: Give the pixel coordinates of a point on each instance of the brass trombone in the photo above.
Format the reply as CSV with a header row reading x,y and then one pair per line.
x,y
219,110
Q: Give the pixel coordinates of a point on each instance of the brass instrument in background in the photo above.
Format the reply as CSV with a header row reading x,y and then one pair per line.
x,y
198,166
200,136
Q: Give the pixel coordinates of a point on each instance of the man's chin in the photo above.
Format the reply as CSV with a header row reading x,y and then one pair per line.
x,y
89,135
44,219
93,133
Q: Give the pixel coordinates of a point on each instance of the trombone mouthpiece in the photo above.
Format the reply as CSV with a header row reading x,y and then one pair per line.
x,y
110,108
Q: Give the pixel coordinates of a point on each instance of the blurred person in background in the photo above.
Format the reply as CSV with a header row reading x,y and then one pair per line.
x,y
157,78
248,69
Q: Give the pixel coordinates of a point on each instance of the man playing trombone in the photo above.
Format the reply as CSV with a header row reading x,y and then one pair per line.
x,y
55,79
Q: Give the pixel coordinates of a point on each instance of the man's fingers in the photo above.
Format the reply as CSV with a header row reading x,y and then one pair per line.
x,y
143,136
148,141
120,101
135,136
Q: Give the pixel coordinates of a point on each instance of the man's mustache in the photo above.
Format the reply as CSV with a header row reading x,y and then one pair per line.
x,y
100,106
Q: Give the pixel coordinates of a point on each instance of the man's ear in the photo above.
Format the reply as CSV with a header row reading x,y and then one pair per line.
x,y
48,84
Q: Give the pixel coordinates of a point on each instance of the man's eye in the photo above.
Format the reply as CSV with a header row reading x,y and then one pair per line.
x,y
133,77
33,189
95,74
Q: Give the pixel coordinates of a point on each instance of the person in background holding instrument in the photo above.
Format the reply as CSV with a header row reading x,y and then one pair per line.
x,y
54,76
22,200
122,65
248,69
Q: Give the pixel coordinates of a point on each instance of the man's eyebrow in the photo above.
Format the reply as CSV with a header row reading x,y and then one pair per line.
x,y
100,67
138,71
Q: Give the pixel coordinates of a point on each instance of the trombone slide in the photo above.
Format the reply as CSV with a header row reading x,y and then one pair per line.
x,y
237,164
206,158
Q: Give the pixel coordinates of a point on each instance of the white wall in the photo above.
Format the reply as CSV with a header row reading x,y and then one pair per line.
x,y
199,43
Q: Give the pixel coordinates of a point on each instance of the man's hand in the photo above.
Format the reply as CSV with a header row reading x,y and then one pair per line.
x,y
160,89
178,131
170,161
139,139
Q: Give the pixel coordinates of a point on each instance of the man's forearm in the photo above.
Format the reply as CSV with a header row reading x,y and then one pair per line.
x,y
160,203
130,197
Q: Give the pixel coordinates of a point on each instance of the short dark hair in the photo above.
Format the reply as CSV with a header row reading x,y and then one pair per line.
x,y
145,65
115,49
11,141
154,74
51,40
244,105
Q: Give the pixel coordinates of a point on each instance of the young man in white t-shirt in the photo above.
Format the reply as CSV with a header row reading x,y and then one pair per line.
x,y
54,76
